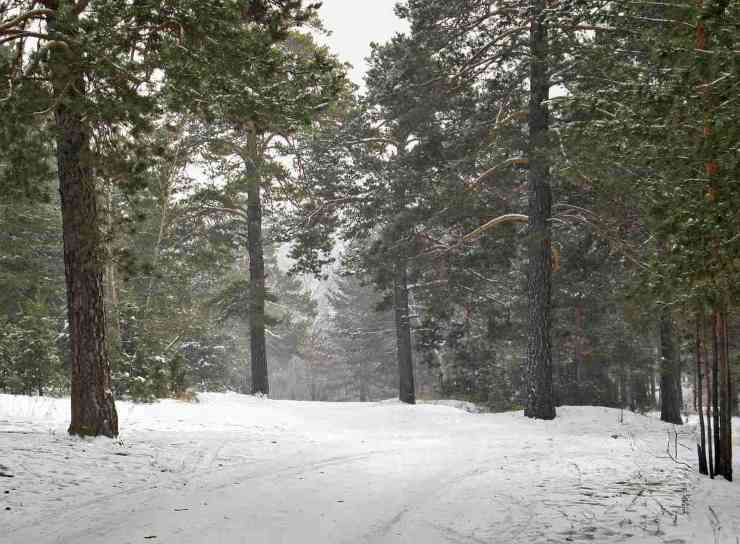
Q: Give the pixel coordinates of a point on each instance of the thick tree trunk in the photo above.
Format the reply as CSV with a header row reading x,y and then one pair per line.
x,y
407,392
93,408
699,394
258,349
670,372
540,401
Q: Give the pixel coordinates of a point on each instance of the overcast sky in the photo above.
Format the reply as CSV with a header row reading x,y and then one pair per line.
x,y
356,23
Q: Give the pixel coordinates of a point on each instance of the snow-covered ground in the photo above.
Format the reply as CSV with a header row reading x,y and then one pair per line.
x,y
236,469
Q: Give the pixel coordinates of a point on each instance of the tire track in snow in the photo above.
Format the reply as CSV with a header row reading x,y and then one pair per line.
x,y
118,512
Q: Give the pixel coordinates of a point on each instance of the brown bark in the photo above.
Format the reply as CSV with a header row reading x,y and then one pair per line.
x,y
540,398
257,343
721,379
93,408
670,372
715,392
699,394
578,343
724,454
709,410
406,388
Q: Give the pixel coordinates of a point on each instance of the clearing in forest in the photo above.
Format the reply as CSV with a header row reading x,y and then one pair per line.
x,y
234,469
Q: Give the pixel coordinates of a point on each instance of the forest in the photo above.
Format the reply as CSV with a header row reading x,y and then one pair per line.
x,y
526,205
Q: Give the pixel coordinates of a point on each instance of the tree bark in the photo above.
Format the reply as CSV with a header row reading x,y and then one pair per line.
x,y
724,454
93,407
721,379
540,398
93,410
715,393
578,341
257,344
112,315
364,384
407,392
699,394
710,406
670,372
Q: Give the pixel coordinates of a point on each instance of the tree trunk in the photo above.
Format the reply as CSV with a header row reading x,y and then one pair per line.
x,y
93,407
710,403
724,454
407,391
112,316
578,342
258,349
540,401
364,385
93,410
699,394
715,392
670,372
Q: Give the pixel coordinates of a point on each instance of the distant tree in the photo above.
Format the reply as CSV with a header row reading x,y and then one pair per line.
x,y
357,327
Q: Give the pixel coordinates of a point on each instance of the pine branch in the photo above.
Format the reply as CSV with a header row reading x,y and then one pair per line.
x,y
17,21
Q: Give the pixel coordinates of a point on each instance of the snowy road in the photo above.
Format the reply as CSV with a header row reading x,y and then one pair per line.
x,y
236,469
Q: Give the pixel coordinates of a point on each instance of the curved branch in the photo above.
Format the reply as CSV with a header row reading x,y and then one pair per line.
x,y
504,219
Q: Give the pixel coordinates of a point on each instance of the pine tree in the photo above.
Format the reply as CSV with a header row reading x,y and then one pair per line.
x,y
94,69
357,331
244,140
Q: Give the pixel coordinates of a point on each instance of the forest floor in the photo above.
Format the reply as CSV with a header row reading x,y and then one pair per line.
x,y
238,469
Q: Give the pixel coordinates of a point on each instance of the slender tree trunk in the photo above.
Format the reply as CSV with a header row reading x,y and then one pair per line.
x,y
112,317
670,372
407,392
258,349
578,342
93,408
710,411
364,385
724,453
540,399
721,379
699,394
715,392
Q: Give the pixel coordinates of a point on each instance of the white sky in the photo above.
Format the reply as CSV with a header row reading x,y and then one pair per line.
x,y
356,23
